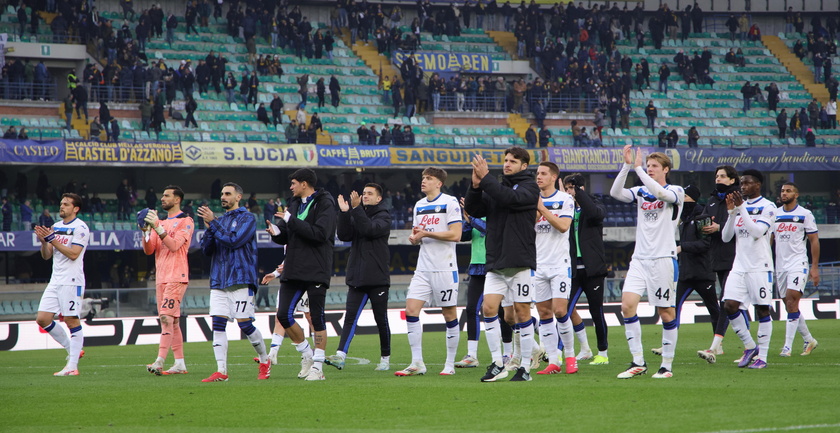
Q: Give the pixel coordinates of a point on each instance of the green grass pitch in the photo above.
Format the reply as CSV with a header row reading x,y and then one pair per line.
x,y
115,393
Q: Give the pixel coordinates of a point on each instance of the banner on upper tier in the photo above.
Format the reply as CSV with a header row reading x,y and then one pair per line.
x,y
590,159
447,62
759,158
421,156
352,156
123,152
30,151
249,154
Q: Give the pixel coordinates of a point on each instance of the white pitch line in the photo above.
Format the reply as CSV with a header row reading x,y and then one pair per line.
x,y
786,428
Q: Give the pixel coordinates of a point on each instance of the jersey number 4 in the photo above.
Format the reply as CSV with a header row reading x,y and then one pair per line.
x,y
666,294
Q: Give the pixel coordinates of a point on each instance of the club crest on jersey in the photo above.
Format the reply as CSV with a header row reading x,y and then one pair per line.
x,y
233,225
437,208
515,186
796,219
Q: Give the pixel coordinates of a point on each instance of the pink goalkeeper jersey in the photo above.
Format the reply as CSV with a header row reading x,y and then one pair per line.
x,y
172,267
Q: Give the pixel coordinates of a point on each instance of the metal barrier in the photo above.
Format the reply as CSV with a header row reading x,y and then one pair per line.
x,y
22,90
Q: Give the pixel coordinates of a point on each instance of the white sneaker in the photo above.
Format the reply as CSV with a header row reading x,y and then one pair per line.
x,y
656,351
785,352
66,372
383,366
537,354
414,369
314,374
448,370
808,347
584,356
305,366
273,358
155,368
708,355
175,369
467,362
513,364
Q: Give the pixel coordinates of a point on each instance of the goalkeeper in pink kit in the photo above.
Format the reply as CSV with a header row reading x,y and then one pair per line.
x,y
169,240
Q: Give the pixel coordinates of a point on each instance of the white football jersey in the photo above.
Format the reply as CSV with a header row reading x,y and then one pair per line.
x,y
754,255
656,230
68,272
436,216
790,229
552,245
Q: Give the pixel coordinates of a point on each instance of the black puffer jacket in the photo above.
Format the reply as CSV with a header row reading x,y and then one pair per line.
x,y
368,228
695,257
309,241
510,207
723,253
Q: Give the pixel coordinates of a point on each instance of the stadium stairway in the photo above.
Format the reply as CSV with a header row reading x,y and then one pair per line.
x,y
505,40
796,67
79,123
378,63
518,124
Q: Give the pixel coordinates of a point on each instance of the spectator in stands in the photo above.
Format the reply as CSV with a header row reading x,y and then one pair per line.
x,y
189,16
810,138
96,129
22,20
831,111
151,198
292,132
782,122
320,91
191,106
303,134
253,89
693,137
384,136
795,124
171,25
651,114
363,133
813,113
276,110
373,135
747,94
230,88
68,110
81,97
732,25
823,118
397,135
757,95
673,139
408,136
531,136
664,73
145,114
544,137
105,116
754,34
262,114
743,26
26,214
772,96
818,66
7,210
335,91
662,139
396,96
123,199
115,131
23,134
